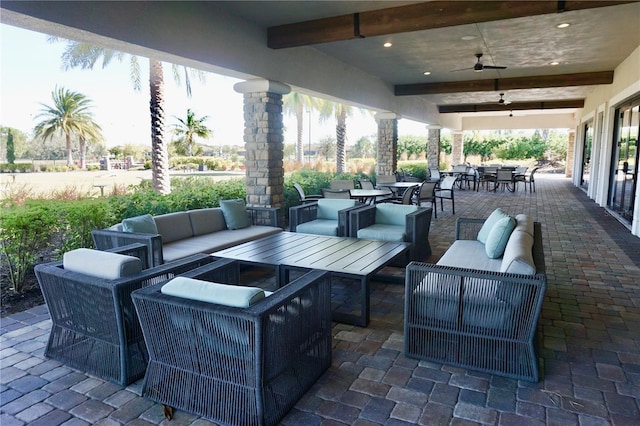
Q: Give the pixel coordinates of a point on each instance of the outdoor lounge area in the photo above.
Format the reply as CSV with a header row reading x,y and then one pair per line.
x,y
587,340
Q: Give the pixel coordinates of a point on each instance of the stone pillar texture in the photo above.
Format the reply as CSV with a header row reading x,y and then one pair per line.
x,y
433,149
387,161
264,144
571,148
457,149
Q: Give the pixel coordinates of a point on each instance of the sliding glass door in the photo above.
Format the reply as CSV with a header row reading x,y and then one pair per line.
x,y
586,154
624,161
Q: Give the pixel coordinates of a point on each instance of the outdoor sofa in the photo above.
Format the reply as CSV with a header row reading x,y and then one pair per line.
x,y
177,235
477,308
232,354
94,324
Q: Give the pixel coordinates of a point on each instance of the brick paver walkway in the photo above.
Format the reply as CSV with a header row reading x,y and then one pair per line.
x,y
589,335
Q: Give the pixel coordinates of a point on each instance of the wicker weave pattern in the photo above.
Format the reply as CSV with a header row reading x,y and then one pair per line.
x,y
476,319
240,366
95,326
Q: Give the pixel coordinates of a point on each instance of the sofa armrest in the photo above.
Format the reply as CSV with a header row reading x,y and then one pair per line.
x,y
468,228
105,239
418,225
302,214
361,218
344,218
265,216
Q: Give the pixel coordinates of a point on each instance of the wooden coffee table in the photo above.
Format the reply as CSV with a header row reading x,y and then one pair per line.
x,y
352,258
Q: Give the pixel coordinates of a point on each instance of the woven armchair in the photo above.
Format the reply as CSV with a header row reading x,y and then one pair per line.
x,y
325,217
238,366
94,325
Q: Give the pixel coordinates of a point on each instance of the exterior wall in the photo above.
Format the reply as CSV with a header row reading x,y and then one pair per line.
x,y
601,105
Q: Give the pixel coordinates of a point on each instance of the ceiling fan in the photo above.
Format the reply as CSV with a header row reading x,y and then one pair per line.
x,y
479,66
502,100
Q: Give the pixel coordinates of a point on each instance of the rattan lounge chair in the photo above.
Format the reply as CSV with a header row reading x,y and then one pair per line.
x,y
236,365
94,325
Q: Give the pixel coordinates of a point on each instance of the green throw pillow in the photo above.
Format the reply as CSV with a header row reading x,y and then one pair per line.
x,y
235,213
143,224
489,223
499,237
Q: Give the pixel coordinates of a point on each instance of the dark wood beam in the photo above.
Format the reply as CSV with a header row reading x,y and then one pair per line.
x,y
416,17
493,85
515,106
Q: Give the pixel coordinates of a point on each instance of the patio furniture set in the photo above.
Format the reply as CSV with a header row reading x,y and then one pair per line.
x,y
238,354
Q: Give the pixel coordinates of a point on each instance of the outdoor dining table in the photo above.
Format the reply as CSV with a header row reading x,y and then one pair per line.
x,y
368,195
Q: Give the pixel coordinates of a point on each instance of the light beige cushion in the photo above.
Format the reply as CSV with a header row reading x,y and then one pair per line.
x,y
469,254
221,294
206,221
174,226
524,223
518,255
101,264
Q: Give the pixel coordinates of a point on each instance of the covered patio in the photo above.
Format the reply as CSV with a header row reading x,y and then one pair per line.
x,y
589,344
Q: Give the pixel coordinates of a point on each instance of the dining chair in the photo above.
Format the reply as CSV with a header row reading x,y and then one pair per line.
x,y
342,184
303,197
407,197
426,196
336,193
435,175
504,178
446,191
365,184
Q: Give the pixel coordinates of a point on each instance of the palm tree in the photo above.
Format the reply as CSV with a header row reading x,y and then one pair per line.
x,y
69,115
295,104
85,56
329,109
191,127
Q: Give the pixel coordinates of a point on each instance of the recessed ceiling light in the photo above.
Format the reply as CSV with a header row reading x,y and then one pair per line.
x,y
555,63
563,25
427,73
387,44
469,37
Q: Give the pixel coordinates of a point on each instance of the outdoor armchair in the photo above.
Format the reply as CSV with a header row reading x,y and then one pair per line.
x,y
236,365
94,325
324,217
394,222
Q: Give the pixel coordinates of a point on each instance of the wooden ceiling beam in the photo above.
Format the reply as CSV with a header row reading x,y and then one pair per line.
x,y
493,85
416,17
515,106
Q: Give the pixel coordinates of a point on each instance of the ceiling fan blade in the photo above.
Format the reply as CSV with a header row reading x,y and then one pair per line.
x,y
462,69
493,67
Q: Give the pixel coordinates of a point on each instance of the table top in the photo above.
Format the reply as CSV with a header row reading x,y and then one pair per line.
x,y
399,184
335,254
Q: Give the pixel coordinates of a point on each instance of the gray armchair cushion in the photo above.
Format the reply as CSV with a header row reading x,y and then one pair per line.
x,y
384,232
320,226
101,264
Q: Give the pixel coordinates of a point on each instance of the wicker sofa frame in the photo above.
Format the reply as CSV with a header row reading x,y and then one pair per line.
x,y
476,319
104,239
417,226
240,366
94,324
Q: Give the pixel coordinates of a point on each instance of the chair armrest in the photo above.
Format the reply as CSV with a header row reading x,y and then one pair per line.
x,y
105,239
302,214
136,250
344,219
417,229
265,216
468,228
361,218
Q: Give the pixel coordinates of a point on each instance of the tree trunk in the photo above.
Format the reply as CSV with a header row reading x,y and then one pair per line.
x,y
69,153
159,152
299,119
83,149
341,134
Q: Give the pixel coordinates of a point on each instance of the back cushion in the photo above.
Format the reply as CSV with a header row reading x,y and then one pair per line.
x,y
206,221
494,217
101,264
329,208
174,226
393,214
524,223
221,294
518,255
143,224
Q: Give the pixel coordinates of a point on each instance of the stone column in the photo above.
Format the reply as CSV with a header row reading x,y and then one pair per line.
x,y
387,160
264,141
457,149
571,149
433,148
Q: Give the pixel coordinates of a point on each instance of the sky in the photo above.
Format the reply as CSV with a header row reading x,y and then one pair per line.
x,y
31,69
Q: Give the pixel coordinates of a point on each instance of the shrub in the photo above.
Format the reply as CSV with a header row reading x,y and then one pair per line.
x,y
79,218
26,232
